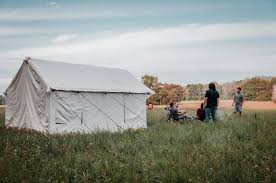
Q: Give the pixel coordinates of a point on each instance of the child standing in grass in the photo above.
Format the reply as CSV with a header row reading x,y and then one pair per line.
x,y
238,101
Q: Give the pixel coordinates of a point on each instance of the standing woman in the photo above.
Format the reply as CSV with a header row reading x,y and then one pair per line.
x,y
211,102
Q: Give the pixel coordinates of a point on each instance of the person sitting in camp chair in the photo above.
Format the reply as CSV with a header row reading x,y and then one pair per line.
x,y
200,113
172,112
174,115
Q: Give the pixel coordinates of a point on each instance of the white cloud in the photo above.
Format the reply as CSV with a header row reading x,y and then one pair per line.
x,y
65,38
153,39
194,49
61,13
52,3
20,30
50,14
113,10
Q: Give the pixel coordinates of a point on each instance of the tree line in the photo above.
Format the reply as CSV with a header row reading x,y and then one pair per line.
x,y
254,89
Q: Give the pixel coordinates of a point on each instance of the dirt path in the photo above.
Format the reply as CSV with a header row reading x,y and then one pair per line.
x,y
266,105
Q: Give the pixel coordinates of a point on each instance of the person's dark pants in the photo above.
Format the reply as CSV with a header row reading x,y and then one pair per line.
x,y
210,113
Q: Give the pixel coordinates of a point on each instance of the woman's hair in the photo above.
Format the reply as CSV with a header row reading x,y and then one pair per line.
x,y
212,86
171,104
201,105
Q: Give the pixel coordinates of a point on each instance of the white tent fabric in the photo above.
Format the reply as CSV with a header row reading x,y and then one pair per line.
x,y
26,100
76,77
57,97
74,112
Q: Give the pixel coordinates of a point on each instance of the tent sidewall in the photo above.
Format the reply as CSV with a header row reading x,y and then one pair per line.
x,y
88,112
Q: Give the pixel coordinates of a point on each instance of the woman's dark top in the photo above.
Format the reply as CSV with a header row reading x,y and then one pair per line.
x,y
212,98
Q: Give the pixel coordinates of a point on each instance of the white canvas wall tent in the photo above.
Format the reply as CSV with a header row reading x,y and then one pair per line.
x,y
58,97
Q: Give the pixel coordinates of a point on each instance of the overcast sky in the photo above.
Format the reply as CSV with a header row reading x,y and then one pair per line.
x,y
180,41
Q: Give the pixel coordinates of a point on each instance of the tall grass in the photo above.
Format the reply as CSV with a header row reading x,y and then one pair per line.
x,y
235,150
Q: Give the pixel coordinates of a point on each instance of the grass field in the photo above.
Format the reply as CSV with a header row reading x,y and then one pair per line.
x,y
234,150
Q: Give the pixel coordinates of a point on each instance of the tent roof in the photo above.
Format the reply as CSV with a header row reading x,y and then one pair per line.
x,y
76,77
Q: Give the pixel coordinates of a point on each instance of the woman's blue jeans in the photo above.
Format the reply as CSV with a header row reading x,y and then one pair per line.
x,y
210,113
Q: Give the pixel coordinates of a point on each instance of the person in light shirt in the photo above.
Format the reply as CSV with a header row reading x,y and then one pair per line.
x,y
238,102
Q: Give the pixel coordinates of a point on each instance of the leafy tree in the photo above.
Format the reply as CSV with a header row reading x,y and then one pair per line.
x,y
195,91
175,92
150,81
164,93
159,96
257,89
273,87
273,81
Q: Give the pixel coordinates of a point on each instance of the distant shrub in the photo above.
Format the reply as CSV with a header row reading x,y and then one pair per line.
x,y
254,89
257,89
274,93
